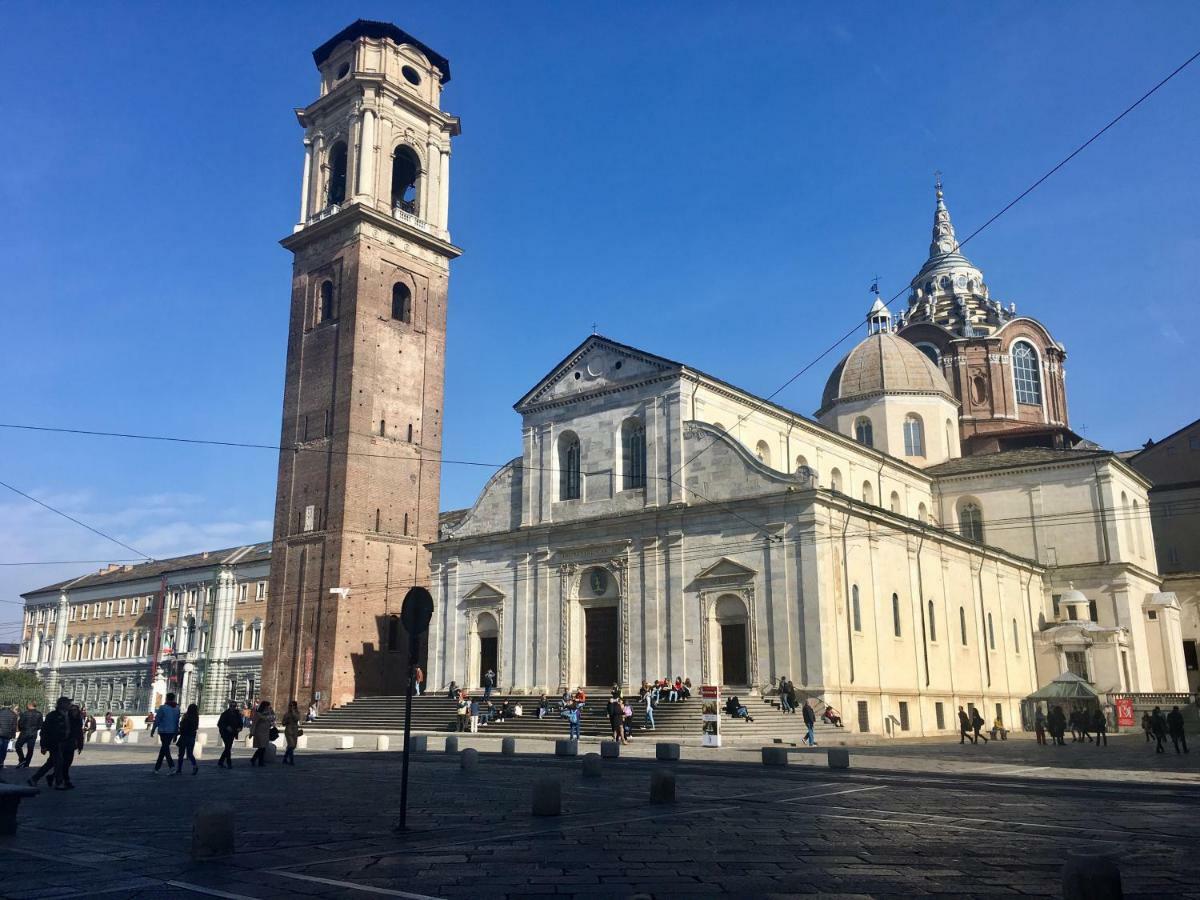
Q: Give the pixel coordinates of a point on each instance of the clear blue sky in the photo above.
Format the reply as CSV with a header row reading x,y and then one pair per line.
x,y
714,183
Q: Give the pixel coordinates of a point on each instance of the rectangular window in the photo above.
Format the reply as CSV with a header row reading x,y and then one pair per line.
x,y
95,610
1077,663
864,717
192,597
1189,656
71,615
121,604
83,613
1093,611
149,604
310,518
903,716
260,591
133,606
242,593
256,639
939,712
1152,615
1056,600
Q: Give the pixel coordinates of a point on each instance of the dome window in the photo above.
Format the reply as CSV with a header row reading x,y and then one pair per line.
x,y
863,432
1027,374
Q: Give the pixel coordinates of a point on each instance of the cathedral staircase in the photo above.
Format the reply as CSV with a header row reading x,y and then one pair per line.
x,y
674,721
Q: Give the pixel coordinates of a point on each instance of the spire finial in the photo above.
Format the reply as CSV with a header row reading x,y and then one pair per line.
x,y
943,230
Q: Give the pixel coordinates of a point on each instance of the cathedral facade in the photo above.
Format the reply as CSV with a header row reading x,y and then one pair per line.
x,y
908,551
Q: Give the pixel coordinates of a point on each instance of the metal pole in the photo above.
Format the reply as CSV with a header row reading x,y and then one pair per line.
x,y
408,695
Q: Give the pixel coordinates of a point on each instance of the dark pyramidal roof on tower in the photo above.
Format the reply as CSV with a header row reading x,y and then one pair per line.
x,y
378,30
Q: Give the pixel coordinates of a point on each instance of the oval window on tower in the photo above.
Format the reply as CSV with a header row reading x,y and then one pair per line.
x,y
411,75
343,71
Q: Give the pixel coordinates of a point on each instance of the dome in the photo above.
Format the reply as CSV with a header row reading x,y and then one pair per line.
x,y
883,364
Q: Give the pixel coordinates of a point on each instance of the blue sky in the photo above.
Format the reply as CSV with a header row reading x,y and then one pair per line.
x,y
716,183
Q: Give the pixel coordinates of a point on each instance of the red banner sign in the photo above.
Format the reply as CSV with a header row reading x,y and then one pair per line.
x,y
1125,712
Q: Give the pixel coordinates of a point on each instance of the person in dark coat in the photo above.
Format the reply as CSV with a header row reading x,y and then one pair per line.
x,y
8,731
56,731
1158,727
976,724
229,726
1175,728
73,745
1058,725
810,720
1100,726
964,727
189,727
28,725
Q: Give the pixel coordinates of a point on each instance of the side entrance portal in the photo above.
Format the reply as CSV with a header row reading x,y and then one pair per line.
x,y
601,648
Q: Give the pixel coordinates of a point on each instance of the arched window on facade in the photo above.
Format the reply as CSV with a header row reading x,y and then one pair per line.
x,y
336,191
256,635
896,615
1027,374
763,452
922,514
949,438
914,436
835,481
991,634
962,625
855,608
406,169
932,623
970,521
868,493
401,302
863,432
326,301
894,503
569,467
801,462
633,454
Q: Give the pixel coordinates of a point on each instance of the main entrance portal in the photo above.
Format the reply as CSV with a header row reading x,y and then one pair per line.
x,y
600,645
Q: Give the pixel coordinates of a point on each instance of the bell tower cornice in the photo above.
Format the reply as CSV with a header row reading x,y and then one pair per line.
x,y
357,215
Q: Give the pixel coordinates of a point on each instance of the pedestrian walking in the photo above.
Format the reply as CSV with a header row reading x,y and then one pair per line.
x,y
28,725
474,706
976,724
74,745
418,680
1147,726
648,702
964,727
229,726
1158,727
1039,726
56,731
810,721
189,725
291,732
1085,725
264,732
166,724
489,682
573,712
8,731
616,717
1100,726
784,703
1175,728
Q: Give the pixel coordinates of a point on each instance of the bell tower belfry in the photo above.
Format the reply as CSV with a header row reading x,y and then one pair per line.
x,y
357,497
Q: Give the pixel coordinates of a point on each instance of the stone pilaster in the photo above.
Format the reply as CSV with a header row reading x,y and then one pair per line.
x,y
56,648
216,676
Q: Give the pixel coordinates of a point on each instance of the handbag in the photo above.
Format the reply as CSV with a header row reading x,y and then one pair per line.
x,y
299,732
273,734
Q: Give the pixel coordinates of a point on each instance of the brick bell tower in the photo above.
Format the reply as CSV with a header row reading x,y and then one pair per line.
x,y
357,498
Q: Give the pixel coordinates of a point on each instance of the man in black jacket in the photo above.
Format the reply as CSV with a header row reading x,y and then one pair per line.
x,y
8,731
27,728
964,727
229,726
56,732
810,719
1175,728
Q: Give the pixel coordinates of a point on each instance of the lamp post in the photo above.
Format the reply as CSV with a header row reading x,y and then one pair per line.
x,y
415,613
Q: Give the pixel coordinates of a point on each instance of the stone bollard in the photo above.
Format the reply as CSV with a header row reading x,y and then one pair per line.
x,y
345,742
302,742
468,759
382,742
609,750
212,831
662,786
547,797
451,744
1087,877
508,746
839,758
418,743
566,748
774,756
591,766
132,737
106,737
666,751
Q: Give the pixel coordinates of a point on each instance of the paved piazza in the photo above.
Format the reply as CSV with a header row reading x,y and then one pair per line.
x,y
908,819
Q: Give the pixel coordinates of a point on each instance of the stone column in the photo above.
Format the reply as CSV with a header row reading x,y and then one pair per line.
x,y
216,676
426,198
366,165
56,647
444,192
306,180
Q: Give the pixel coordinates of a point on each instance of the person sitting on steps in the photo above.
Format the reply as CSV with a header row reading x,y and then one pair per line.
x,y
735,709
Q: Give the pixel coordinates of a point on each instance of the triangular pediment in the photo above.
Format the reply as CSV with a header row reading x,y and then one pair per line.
x,y
725,569
598,364
484,593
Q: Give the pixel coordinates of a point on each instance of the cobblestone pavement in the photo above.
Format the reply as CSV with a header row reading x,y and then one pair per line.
x,y
907,819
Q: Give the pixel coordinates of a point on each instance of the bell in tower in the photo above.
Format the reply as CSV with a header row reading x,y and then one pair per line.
x,y
358,488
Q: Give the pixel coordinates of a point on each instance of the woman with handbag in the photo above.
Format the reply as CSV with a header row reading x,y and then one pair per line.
x,y
264,732
291,732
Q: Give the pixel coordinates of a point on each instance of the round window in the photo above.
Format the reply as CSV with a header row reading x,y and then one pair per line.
x,y
343,71
411,75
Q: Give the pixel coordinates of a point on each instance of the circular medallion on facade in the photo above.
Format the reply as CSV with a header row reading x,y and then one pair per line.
x,y
599,581
960,282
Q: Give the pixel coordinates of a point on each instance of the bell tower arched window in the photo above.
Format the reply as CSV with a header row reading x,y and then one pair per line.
x,y
1027,374
914,436
633,454
326,300
863,432
336,190
401,302
569,468
970,521
406,169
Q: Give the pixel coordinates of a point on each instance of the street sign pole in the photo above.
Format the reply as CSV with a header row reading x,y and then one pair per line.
x,y
415,614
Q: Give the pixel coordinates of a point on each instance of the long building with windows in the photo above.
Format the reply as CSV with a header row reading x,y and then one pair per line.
x,y
122,637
